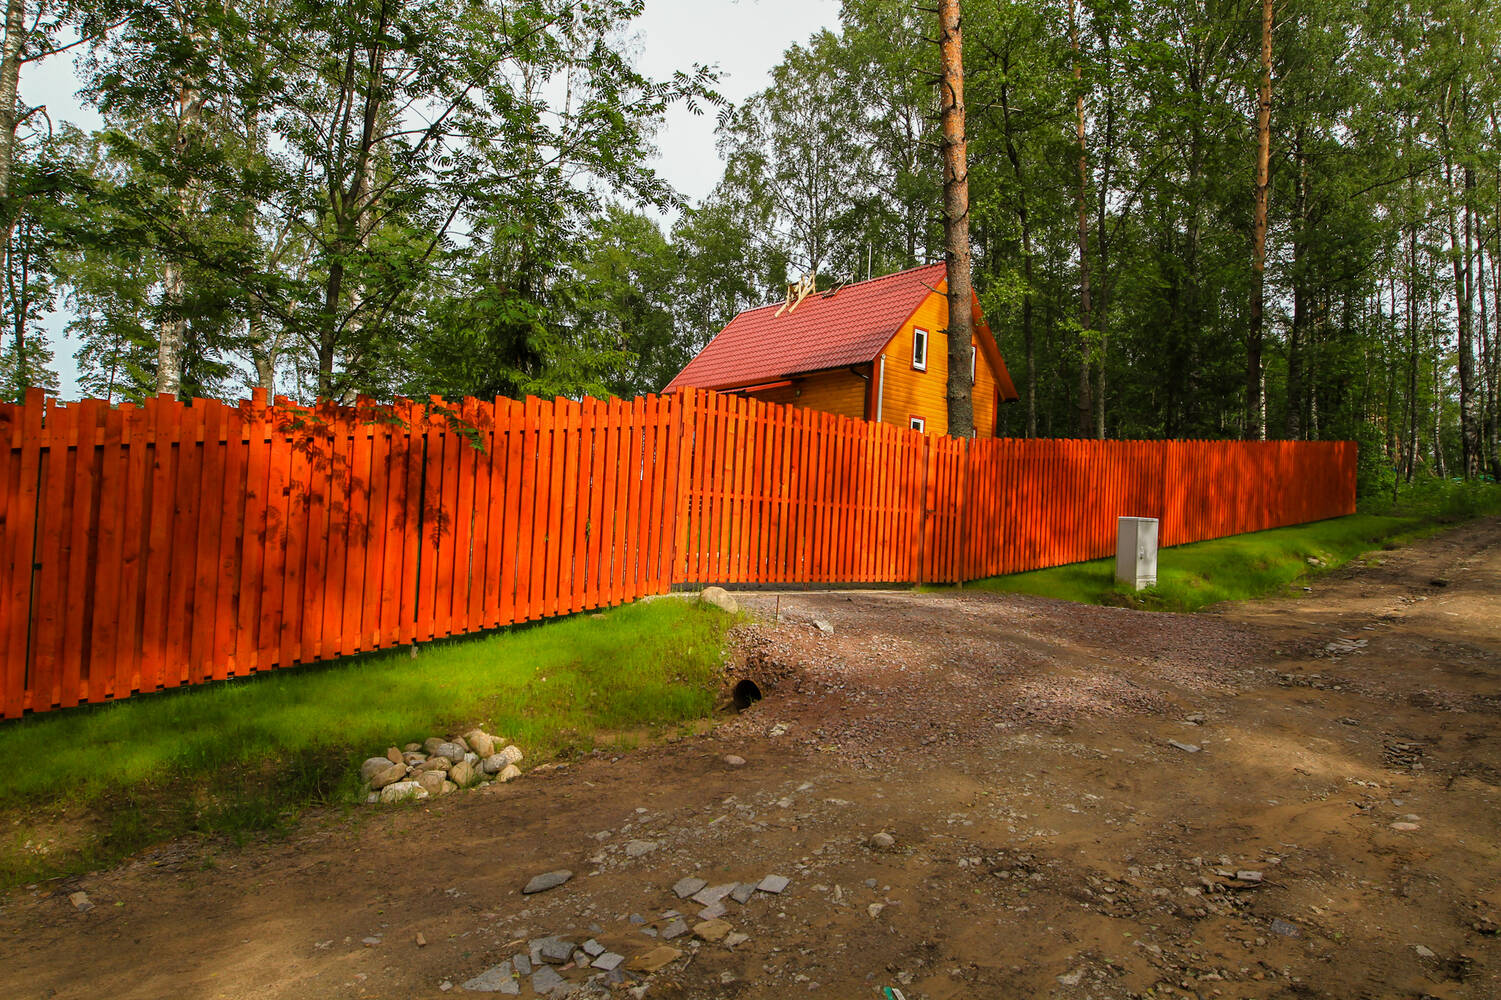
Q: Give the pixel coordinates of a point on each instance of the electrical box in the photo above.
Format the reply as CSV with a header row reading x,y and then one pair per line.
x,y
1136,552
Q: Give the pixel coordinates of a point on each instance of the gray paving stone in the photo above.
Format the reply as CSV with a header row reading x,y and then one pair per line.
x,y
675,929
743,892
713,894
496,980
686,887
609,961
773,884
547,880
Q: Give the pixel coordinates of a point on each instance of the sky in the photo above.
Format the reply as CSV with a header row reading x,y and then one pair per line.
x,y
743,39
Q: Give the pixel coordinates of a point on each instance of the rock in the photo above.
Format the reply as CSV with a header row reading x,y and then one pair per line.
x,y
401,790
734,940
510,773
546,979
593,948
370,942
712,930
449,786
497,980
1185,747
452,751
511,754
394,755
686,887
712,912
547,880
80,901
823,626
463,774
1072,978
713,894
431,744
553,950
421,941
675,929
472,759
874,909
657,958
637,848
435,764
412,747
1248,876
609,961
773,884
494,763
481,743
413,759
719,598
734,760
372,767
1405,827
1280,926
1196,719
461,743
432,782
883,841
1424,951
743,892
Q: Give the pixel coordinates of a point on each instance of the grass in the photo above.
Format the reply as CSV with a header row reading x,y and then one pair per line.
x,y
1243,567
88,786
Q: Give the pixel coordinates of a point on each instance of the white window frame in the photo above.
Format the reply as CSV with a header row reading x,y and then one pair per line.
x,y
917,424
920,365
974,352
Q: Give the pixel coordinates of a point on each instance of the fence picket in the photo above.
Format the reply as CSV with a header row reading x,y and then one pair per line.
x,y
148,547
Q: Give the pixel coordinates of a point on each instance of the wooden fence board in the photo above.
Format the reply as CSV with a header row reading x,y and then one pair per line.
x,y
148,547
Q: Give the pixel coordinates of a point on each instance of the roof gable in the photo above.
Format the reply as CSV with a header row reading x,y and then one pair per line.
x,y
824,331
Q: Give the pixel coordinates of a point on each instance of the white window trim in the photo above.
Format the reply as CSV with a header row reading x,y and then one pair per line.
x,y
926,343
917,424
974,352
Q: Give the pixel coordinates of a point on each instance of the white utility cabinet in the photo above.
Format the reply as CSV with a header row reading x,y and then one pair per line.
x,y
1136,552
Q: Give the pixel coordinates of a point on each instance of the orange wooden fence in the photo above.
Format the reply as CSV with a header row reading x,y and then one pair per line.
x,y
150,547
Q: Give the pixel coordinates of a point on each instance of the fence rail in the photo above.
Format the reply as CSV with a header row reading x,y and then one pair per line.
x,y
151,547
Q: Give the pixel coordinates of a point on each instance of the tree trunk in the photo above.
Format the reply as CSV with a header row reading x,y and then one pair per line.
x,y
1254,427
1082,404
1025,223
10,82
960,394
1300,298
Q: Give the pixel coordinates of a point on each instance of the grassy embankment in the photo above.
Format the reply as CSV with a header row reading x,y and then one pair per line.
x,y
87,786
1243,567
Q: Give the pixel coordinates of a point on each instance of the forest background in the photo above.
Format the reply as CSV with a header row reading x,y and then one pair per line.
x,y
403,197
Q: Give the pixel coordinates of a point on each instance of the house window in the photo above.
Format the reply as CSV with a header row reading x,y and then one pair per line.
x,y
918,424
919,349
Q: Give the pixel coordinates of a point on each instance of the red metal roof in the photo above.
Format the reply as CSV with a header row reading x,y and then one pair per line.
x,y
848,328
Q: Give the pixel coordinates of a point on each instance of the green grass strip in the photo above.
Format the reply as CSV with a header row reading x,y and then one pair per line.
x,y
1243,567
90,785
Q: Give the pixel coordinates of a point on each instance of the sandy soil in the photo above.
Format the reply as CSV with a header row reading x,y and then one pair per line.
x,y
1048,838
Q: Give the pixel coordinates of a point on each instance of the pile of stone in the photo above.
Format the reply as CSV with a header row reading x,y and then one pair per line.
x,y
438,766
555,966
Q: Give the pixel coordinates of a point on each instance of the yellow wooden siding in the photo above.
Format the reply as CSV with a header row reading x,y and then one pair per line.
x,y
841,392
908,392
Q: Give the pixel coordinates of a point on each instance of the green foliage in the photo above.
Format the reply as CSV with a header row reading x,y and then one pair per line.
x,y
243,756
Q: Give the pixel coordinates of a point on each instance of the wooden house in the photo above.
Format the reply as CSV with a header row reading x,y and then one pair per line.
x,y
875,350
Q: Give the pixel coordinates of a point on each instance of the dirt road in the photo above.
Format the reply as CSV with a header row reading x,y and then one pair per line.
x,y
1294,798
